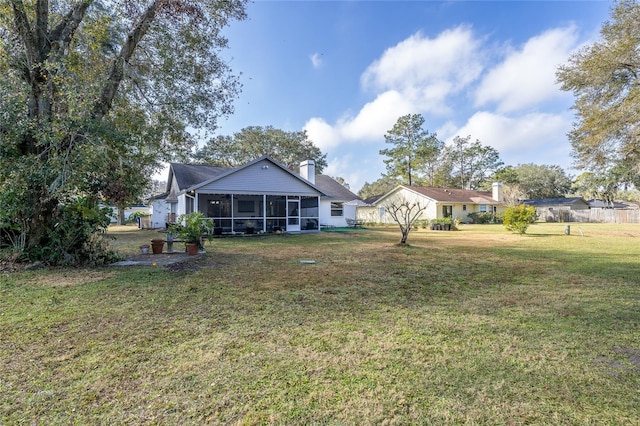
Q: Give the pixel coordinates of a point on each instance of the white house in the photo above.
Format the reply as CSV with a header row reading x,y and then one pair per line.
x,y
262,194
437,203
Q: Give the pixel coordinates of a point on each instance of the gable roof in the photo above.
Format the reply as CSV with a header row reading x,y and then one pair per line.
x,y
333,189
441,195
187,175
448,195
230,171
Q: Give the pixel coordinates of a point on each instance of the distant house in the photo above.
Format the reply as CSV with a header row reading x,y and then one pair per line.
x,y
439,203
261,194
558,209
616,204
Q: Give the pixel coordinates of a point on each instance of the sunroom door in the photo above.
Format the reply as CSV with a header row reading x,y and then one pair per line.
x,y
293,215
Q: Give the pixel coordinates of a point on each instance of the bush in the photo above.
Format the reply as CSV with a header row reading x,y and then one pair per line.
x,y
75,238
517,219
454,222
483,217
133,217
422,223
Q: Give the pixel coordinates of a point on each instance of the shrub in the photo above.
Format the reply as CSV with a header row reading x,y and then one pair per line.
x,y
517,219
133,217
453,221
75,237
422,223
483,217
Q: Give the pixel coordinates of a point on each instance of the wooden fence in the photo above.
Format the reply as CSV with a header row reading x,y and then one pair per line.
x,y
592,215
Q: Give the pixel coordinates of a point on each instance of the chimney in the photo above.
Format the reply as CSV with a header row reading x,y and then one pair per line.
x,y
308,171
497,191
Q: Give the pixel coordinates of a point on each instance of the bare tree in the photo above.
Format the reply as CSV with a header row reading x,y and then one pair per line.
x,y
405,213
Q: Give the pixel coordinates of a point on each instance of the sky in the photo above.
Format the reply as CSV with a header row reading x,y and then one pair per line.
x,y
345,71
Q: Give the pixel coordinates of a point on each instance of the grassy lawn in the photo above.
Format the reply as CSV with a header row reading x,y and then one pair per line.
x,y
477,326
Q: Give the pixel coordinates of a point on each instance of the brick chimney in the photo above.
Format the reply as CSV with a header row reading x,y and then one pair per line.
x,y
497,191
308,171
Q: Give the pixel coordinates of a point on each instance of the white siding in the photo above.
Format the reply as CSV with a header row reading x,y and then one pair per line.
x,y
378,213
261,178
348,211
159,211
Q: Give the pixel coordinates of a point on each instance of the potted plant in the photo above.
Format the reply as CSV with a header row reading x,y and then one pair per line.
x,y
250,227
157,245
194,226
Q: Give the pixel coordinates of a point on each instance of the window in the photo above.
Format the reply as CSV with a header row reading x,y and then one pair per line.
x,y
245,206
483,208
336,209
464,207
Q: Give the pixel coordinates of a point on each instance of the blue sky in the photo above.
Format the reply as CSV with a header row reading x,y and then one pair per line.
x,y
346,70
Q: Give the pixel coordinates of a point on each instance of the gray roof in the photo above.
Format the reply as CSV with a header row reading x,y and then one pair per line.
x,y
334,189
187,175
562,201
602,204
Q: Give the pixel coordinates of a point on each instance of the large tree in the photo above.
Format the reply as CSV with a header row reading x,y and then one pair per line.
x,y
604,77
97,93
472,163
414,148
288,147
542,181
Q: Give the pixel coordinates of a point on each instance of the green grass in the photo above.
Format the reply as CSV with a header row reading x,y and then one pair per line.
x,y
477,326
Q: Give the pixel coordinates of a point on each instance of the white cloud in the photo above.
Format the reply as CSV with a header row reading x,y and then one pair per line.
x,y
427,70
316,60
527,76
355,171
370,124
440,78
529,138
415,76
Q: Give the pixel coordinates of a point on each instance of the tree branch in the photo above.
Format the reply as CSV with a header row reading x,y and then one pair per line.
x,y
116,71
24,29
60,37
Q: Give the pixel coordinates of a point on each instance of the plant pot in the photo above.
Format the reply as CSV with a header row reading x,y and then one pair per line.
x,y
192,248
157,245
144,249
249,230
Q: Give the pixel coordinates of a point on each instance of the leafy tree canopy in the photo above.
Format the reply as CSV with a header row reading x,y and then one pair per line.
x,y
290,148
413,148
542,181
615,183
470,163
94,95
604,80
378,187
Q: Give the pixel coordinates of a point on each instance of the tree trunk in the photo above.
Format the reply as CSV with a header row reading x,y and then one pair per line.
x,y
121,210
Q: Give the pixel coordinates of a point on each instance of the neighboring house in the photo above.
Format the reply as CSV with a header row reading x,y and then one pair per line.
x,y
262,194
439,203
616,204
137,208
558,209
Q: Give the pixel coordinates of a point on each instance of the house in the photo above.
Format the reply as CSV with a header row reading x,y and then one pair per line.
x,y
615,204
439,203
262,194
558,209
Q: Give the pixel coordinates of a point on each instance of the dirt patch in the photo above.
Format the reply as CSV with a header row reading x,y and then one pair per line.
x,y
627,359
173,262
